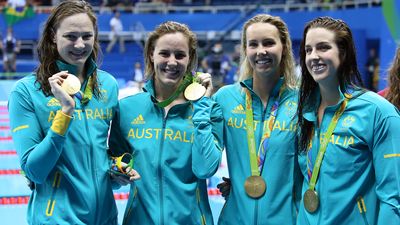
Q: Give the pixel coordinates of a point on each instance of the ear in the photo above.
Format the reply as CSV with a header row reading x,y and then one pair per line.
x,y
151,56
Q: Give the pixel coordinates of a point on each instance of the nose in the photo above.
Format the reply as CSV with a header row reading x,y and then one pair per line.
x,y
313,54
261,51
172,60
79,43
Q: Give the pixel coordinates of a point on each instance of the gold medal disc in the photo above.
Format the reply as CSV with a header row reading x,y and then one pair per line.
x,y
255,186
71,85
311,200
194,91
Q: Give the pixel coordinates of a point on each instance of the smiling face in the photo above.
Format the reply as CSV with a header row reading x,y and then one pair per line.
x,y
75,39
170,59
264,49
322,56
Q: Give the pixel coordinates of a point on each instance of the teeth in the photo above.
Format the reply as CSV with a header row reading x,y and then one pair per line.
x,y
263,61
318,67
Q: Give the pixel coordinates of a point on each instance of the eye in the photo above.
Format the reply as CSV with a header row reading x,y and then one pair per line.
x,y
268,42
87,37
180,55
252,44
308,50
324,47
164,54
70,37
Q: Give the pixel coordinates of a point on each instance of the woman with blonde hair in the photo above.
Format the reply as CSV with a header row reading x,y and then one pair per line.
x,y
260,129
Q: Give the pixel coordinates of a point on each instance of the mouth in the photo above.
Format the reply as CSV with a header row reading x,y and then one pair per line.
x,y
171,73
318,68
263,61
78,55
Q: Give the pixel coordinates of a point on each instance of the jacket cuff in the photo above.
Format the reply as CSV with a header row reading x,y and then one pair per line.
x,y
61,123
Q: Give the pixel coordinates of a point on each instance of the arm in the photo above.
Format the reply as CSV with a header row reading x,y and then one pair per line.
x,y
207,144
38,152
386,160
118,145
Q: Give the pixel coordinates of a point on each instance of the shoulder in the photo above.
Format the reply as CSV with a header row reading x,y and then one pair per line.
x,y
106,78
140,98
26,83
231,89
292,93
374,103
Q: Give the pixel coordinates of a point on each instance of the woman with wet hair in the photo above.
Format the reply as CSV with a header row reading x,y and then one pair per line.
x,y
349,153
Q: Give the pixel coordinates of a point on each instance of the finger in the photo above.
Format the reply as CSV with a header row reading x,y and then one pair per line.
x,y
205,79
225,190
133,175
220,185
226,179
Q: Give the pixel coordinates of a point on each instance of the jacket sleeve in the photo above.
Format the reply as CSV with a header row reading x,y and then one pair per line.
x,y
386,160
208,134
118,145
38,151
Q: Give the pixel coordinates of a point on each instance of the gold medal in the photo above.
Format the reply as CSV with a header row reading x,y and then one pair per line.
x,y
194,91
311,200
255,186
71,84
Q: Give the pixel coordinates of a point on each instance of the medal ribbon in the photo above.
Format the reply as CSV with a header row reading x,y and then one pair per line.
x,y
268,129
309,157
186,81
257,161
87,95
324,144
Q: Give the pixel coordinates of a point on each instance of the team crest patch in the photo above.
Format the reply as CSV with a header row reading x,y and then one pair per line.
x,y
104,96
291,107
348,121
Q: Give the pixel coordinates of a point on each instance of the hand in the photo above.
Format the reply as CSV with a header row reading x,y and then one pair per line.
x,y
205,80
66,101
125,178
225,187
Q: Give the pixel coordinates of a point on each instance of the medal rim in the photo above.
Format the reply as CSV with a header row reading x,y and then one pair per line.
x,y
71,85
251,181
194,91
311,198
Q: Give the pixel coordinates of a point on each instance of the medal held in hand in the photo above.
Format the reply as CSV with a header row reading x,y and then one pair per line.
x,y
311,200
255,186
194,91
71,85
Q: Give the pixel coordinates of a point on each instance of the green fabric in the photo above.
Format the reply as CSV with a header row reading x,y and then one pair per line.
x,y
14,15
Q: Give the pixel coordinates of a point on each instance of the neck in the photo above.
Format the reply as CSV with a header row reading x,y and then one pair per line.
x,y
329,95
163,92
80,74
263,86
